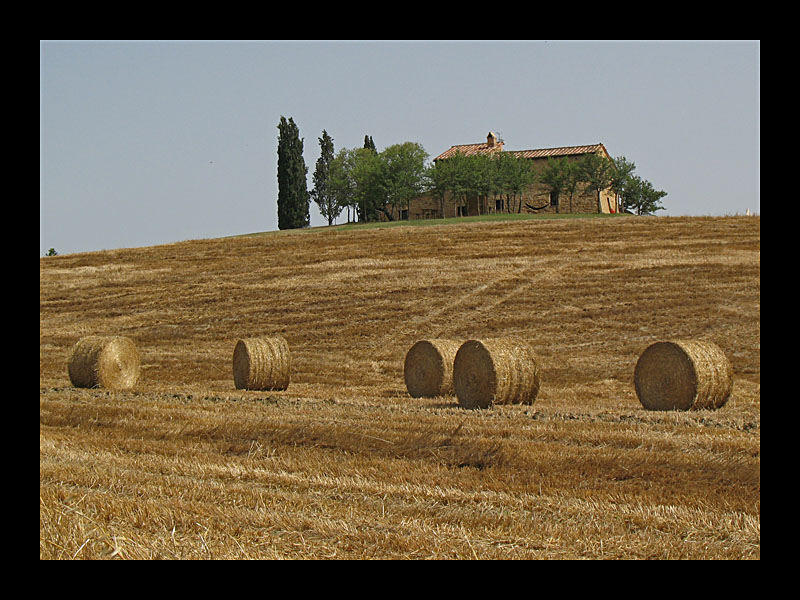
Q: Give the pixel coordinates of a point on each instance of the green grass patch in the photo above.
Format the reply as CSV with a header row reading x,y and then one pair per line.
x,y
448,221
475,219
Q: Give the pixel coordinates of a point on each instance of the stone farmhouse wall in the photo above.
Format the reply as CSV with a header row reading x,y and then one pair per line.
x,y
537,199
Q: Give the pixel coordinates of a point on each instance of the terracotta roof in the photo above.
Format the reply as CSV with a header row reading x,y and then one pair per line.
x,y
563,151
470,149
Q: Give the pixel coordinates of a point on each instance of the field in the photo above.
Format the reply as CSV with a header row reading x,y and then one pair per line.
x,y
344,464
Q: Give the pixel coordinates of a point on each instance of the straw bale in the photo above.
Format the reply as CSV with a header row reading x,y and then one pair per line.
x,y
261,364
496,371
110,362
428,367
683,375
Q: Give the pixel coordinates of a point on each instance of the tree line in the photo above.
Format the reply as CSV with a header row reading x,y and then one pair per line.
x,y
366,183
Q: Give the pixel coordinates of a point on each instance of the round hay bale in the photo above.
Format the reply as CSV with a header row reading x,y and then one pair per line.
x,y
261,364
495,371
428,368
110,362
683,375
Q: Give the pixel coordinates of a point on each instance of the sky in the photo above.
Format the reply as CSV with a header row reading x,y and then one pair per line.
x,y
145,143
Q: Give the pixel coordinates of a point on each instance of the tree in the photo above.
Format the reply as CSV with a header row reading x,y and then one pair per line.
x,y
503,171
621,175
517,177
358,181
641,197
341,185
321,194
485,178
369,184
365,173
404,173
462,179
293,198
557,177
439,181
464,176
596,171
572,182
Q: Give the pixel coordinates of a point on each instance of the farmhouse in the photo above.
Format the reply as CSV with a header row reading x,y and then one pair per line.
x,y
537,199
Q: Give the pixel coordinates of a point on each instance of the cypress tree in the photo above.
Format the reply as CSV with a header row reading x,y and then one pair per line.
x,y
293,197
321,193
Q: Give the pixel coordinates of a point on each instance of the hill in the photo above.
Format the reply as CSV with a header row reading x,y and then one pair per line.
x,y
344,463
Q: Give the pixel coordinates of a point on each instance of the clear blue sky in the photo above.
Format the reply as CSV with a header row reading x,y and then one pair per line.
x,y
145,143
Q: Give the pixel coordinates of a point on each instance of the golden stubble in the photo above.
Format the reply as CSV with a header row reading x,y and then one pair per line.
x,y
344,463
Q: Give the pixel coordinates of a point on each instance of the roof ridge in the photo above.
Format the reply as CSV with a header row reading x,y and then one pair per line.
x,y
483,148
473,144
558,147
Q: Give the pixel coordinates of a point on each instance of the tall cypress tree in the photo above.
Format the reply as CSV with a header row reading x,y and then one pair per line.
x,y
369,144
293,197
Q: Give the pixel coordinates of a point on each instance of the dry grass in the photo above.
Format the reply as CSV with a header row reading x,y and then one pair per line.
x,y
344,463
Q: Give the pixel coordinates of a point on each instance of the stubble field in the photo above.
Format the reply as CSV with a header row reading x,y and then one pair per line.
x,y
345,464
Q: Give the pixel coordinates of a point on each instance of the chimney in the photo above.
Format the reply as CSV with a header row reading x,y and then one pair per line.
x,y
491,140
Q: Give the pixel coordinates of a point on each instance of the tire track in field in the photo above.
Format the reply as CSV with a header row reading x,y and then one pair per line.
x,y
520,282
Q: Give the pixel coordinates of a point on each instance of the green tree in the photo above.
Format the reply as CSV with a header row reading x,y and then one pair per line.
x,y
404,172
341,184
462,179
494,175
439,181
358,181
621,175
321,194
596,171
293,197
460,176
573,181
640,197
369,178
515,177
485,178
369,144
557,175
52,252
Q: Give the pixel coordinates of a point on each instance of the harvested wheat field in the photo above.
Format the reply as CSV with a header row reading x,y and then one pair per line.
x,y
344,463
